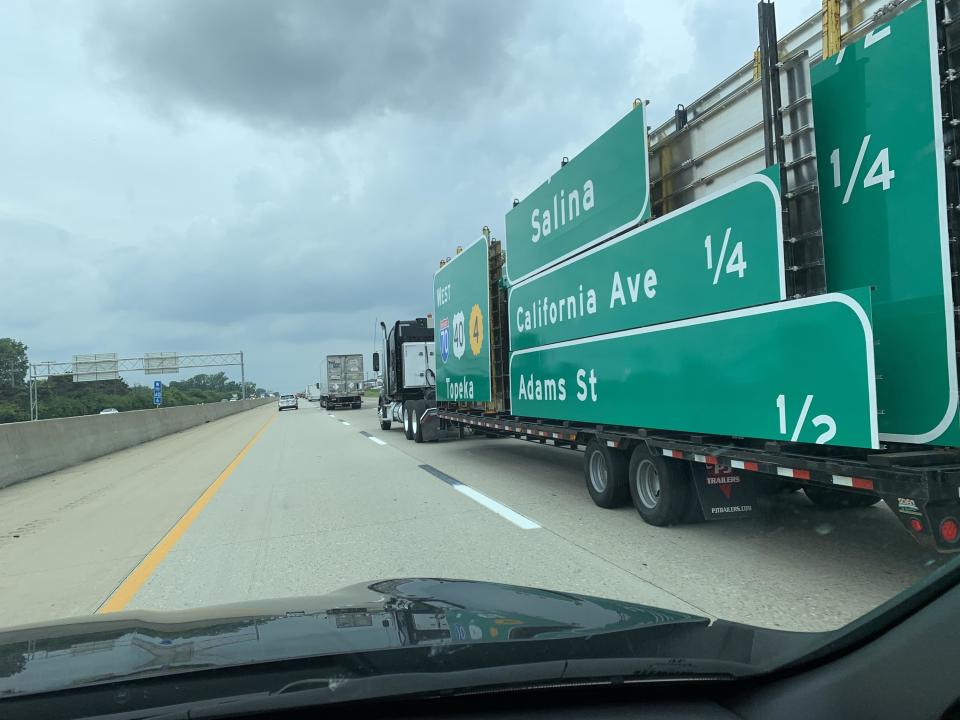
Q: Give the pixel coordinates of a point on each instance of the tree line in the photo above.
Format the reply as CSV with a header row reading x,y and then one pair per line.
x,y
61,397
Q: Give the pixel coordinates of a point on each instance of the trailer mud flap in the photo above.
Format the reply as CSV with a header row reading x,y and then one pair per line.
x,y
724,494
431,426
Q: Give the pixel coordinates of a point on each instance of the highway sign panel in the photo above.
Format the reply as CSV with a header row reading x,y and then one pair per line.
x,y
879,136
720,253
461,290
157,392
160,363
600,192
92,368
795,371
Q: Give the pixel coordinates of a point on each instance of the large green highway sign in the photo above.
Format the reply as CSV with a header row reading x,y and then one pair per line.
x,y
602,191
719,253
461,310
879,139
796,371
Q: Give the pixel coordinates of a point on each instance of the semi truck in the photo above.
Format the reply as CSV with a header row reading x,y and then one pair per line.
x,y
313,392
344,381
409,370
758,294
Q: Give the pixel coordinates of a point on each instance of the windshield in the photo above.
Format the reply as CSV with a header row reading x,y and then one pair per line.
x,y
582,300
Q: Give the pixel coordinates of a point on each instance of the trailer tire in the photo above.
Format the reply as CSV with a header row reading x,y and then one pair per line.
x,y
830,499
407,420
605,473
660,488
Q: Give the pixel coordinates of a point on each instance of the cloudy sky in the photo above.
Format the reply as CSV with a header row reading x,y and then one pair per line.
x,y
273,177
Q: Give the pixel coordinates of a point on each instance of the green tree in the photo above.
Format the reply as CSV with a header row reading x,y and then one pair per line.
x,y
13,363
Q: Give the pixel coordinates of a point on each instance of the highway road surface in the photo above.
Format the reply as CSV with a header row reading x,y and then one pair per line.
x,y
268,504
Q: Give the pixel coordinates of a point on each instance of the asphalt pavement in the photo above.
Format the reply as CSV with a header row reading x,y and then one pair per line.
x,y
283,504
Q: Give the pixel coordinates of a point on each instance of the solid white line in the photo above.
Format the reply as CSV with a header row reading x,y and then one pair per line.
x,y
378,441
502,510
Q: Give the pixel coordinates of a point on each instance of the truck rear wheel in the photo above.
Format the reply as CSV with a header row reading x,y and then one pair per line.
x,y
830,499
407,420
660,488
419,407
605,472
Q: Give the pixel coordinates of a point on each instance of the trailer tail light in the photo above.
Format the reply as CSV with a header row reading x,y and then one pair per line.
x,y
949,530
916,525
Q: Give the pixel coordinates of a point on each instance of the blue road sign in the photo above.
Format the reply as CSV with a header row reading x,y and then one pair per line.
x,y
157,392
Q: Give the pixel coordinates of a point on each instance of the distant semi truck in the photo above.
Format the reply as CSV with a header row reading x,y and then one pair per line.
x,y
344,382
313,392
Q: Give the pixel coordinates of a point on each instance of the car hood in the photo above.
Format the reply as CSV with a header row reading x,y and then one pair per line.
x,y
441,614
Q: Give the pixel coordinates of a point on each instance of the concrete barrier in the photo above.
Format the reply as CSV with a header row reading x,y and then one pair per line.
x,y
29,449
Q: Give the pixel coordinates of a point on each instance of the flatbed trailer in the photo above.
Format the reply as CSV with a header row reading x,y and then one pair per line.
x,y
758,118
921,487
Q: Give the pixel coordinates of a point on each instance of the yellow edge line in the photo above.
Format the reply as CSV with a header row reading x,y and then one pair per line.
x,y
125,592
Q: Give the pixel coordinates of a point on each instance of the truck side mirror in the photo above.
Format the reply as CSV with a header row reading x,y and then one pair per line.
x,y
376,362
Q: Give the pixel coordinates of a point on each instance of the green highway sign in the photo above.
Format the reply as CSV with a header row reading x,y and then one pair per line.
x,y
719,253
795,371
876,107
600,192
461,310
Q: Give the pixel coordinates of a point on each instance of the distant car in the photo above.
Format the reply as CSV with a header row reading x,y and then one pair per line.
x,y
109,411
288,402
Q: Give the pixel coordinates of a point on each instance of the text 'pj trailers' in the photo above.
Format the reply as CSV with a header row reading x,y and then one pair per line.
x,y
757,292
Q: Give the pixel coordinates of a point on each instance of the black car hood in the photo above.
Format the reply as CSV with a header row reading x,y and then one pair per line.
x,y
438,615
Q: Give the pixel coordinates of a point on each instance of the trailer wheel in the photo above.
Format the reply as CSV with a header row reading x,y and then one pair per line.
x,y
407,420
605,472
659,488
830,499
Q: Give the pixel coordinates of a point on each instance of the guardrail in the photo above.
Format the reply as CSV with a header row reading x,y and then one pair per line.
x,y
31,449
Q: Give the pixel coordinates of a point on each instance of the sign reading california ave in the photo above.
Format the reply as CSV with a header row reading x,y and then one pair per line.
x,y
719,253
600,192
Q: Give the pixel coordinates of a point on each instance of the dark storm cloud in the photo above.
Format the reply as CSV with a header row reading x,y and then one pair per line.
x,y
322,156
308,62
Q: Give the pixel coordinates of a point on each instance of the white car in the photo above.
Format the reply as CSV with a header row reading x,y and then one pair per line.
x,y
109,411
288,402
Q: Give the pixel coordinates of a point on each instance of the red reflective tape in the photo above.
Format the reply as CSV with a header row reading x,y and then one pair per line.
x,y
801,474
862,483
